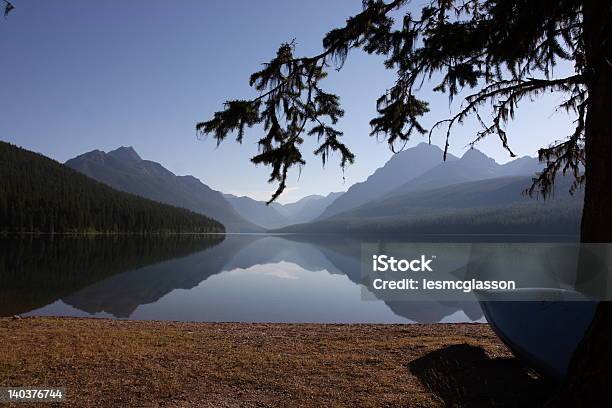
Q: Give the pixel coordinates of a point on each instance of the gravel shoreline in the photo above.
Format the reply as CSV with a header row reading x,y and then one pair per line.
x,y
108,363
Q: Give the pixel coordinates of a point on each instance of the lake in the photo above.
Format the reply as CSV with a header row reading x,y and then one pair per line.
x,y
205,278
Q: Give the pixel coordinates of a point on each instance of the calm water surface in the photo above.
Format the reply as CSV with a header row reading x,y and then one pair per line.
x,y
237,278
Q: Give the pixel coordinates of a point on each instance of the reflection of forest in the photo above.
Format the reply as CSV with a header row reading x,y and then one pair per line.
x,y
122,293
118,274
36,271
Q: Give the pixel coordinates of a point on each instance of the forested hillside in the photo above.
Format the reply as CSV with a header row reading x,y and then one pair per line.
x,y
38,194
123,169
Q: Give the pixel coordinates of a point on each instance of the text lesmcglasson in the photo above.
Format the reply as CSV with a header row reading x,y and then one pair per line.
x,y
427,284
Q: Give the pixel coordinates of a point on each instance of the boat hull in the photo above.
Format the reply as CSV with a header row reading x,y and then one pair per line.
x,y
544,334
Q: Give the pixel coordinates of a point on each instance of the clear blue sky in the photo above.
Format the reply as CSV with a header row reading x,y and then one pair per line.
x,y
82,75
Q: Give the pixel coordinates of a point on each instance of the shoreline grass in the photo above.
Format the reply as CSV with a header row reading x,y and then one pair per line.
x,y
106,363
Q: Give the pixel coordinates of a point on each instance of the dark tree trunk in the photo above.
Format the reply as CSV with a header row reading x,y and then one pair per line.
x,y
589,380
596,217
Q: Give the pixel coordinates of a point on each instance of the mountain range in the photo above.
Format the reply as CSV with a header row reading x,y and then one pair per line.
x,y
471,194
278,215
422,167
489,206
408,163
124,169
415,191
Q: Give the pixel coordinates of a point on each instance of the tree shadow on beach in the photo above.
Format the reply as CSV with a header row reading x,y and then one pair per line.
x,y
465,376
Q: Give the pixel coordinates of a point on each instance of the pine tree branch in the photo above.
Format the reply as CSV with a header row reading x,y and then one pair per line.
x,y
514,90
471,43
8,7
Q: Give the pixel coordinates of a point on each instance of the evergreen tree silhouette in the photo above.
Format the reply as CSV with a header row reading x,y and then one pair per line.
x,y
505,50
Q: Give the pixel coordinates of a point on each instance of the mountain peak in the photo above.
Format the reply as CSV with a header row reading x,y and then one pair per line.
x,y
125,153
476,156
525,158
422,149
424,146
123,169
94,156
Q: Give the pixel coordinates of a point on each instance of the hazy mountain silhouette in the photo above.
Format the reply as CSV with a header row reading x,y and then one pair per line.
x,y
426,195
492,192
308,208
490,206
413,183
400,169
525,165
125,170
278,215
473,165
257,211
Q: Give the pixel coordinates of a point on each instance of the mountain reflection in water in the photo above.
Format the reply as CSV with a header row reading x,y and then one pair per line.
x,y
240,278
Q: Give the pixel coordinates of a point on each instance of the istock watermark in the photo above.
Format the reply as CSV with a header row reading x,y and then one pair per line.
x,y
383,263
485,271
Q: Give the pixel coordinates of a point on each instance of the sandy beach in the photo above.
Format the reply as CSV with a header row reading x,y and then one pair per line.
x,y
107,363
